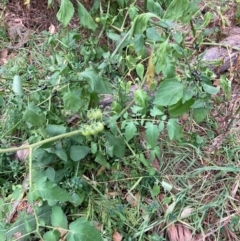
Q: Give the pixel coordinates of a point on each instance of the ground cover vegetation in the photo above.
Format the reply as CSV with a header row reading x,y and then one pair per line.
x,y
112,126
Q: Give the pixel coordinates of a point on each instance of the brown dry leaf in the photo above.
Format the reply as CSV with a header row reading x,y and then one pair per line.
x,y
3,56
22,154
133,200
186,212
52,29
179,233
216,82
100,171
4,53
150,71
117,236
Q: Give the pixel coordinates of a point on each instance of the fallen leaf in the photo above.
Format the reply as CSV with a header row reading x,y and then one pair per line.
x,y
52,29
178,232
117,236
186,212
4,53
133,200
22,154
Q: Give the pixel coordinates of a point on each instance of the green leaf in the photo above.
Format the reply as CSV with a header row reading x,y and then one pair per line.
x,y
169,92
226,86
34,115
98,84
141,97
153,34
82,230
58,218
140,23
17,85
200,114
78,152
72,101
65,12
156,112
116,144
155,190
42,212
172,128
49,191
130,130
154,7
61,153
140,70
152,134
50,173
176,9
53,235
85,18
76,199
161,55
179,108
55,130
210,89
2,102
101,159
187,94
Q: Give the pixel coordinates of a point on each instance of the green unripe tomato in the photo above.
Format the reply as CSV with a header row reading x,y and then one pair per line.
x,y
97,20
86,130
99,126
94,114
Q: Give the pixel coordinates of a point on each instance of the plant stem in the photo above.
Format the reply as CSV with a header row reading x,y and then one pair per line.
x,y
14,149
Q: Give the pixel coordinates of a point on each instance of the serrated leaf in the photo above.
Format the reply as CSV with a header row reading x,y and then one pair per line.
x,y
161,55
42,212
85,18
65,12
130,130
34,115
169,92
54,130
78,152
156,112
82,230
17,85
140,23
72,101
200,114
172,128
58,218
154,7
140,97
98,84
116,145
176,9
53,193
226,86
152,134
53,235
153,34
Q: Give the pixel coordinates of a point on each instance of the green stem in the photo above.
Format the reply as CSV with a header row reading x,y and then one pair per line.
x,y
51,139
